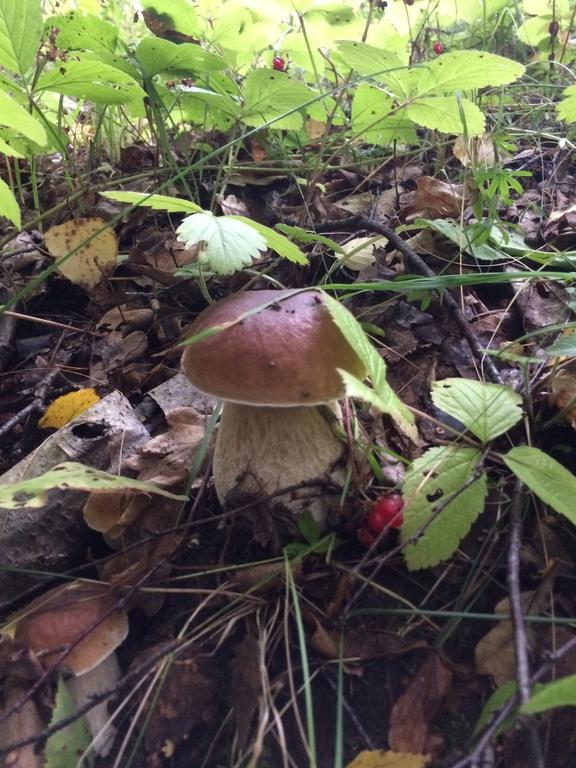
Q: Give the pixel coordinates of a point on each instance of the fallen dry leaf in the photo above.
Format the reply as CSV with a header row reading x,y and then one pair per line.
x,y
67,407
414,712
477,151
359,252
379,759
434,199
246,685
92,262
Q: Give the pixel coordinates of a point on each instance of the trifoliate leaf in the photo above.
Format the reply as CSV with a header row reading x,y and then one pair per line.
x,y
548,479
431,479
67,407
226,244
487,410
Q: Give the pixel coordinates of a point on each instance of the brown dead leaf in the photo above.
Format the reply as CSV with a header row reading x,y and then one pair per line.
x,y
159,256
125,319
477,151
414,712
92,262
379,759
246,685
186,697
434,199
563,395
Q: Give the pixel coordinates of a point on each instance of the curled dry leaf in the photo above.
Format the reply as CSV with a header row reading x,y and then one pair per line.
x,y
477,151
92,261
61,616
435,199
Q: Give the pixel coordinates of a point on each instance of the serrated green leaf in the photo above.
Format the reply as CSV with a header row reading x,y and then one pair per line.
x,y
90,79
447,114
157,55
275,241
305,236
157,202
567,107
558,693
15,116
268,95
227,244
372,120
84,31
382,396
432,478
20,33
464,71
71,475
375,62
176,15
9,208
64,747
548,479
487,410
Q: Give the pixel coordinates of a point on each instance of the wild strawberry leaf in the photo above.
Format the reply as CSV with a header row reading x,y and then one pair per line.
x,y
8,205
20,33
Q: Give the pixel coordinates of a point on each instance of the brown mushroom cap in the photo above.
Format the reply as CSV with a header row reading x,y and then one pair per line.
x,y
286,354
63,615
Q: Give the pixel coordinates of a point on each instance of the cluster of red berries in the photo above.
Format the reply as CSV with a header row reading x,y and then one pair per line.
x,y
385,513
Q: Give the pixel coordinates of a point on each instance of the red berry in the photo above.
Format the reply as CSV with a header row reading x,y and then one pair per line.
x,y
438,47
366,537
386,513
278,63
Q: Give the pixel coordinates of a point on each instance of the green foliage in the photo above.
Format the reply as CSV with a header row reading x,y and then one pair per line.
x,y
64,747
32,492
20,33
558,693
8,205
438,478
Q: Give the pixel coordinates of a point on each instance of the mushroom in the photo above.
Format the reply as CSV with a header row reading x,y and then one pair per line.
x,y
273,357
59,620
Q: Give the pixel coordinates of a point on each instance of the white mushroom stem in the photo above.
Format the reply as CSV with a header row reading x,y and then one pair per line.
x,y
260,449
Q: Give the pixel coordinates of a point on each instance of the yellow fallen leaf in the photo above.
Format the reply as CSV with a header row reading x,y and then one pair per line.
x,y
379,759
91,262
66,407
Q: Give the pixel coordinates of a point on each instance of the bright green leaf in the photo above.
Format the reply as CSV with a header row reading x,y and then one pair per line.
x,y
305,236
487,410
70,475
275,241
157,55
464,71
447,114
84,31
431,479
373,61
548,479
272,96
463,237
64,747
156,202
20,33
382,396
227,245
89,79
567,107
9,208
558,693
15,116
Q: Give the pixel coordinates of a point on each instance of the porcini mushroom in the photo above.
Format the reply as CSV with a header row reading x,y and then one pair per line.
x,y
273,358
84,619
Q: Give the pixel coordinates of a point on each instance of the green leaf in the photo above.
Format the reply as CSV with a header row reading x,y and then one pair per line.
x,y
375,62
269,95
275,241
305,236
431,479
9,208
463,237
64,747
20,33
157,55
15,116
558,693
548,479
156,202
487,410
565,346
80,31
227,244
567,107
382,395
371,117
89,79
464,71
175,15
494,703
447,114
71,475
